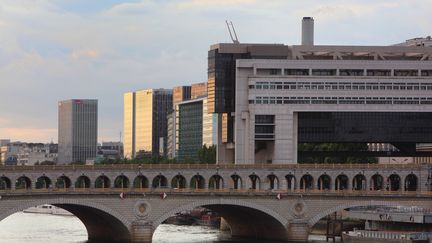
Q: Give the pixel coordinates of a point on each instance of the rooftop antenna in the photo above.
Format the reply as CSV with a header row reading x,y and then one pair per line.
x,y
233,38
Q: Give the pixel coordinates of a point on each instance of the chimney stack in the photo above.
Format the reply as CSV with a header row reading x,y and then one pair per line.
x,y
308,31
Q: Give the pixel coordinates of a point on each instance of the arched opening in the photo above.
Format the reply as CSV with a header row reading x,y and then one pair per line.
x,y
324,182
341,182
102,182
377,182
141,182
63,182
306,182
82,182
178,181
273,182
5,183
216,182
197,182
160,181
291,182
121,182
255,182
244,221
411,182
359,183
98,221
23,183
236,182
43,182
393,182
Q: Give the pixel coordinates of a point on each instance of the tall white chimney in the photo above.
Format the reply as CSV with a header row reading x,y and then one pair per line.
x,y
308,31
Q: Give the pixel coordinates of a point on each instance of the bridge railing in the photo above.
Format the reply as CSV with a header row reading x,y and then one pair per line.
x,y
217,191
205,166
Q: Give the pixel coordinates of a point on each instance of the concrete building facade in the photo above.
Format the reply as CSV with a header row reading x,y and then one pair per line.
x,y
77,130
271,104
145,121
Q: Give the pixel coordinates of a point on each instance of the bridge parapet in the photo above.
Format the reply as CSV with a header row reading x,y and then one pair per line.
x,y
325,177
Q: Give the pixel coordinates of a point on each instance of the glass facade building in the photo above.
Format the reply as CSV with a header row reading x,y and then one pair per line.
x,y
145,121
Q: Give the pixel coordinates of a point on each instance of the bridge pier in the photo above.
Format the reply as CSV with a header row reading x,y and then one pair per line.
x,y
298,232
142,231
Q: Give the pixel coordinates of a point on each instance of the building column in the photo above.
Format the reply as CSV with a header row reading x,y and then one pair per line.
x,y
285,148
142,231
298,232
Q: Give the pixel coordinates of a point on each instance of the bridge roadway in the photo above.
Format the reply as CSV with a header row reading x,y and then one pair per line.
x,y
274,202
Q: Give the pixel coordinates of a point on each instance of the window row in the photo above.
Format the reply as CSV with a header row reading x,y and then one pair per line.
x,y
343,72
340,86
343,100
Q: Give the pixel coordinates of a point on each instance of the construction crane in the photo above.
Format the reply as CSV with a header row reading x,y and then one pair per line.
x,y
233,37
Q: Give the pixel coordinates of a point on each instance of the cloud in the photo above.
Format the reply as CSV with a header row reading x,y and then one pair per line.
x,y
213,3
84,53
29,134
51,50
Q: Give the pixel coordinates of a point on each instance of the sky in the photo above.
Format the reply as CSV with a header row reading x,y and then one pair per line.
x,y
52,50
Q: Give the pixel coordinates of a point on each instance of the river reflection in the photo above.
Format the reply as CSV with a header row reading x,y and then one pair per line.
x,y
42,228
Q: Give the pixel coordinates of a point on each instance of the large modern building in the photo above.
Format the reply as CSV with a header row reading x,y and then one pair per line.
x,y
271,97
195,127
77,130
145,122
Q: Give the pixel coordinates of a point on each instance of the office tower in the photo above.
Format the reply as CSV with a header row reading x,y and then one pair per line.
x,y
77,130
145,122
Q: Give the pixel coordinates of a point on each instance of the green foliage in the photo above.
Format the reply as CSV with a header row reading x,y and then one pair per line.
x,y
207,155
46,162
77,163
343,158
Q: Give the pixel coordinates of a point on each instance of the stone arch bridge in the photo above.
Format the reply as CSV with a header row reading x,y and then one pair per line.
x,y
279,202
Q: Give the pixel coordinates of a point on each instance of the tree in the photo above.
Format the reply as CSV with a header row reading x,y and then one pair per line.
x,y
207,155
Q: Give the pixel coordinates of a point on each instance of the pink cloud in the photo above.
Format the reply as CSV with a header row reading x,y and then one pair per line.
x,y
29,134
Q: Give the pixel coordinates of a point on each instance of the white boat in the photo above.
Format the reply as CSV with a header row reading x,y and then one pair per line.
x,y
48,209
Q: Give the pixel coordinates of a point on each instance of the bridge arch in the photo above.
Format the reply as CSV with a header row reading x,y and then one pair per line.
x,y
241,216
159,181
306,182
324,182
23,182
394,182
359,182
216,182
102,182
273,182
178,181
237,182
341,182
101,222
255,182
411,182
291,182
141,182
63,182
358,203
377,182
82,182
121,181
197,182
5,183
43,182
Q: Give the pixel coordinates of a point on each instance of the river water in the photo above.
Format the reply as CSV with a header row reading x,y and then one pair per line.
x,y
43,228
